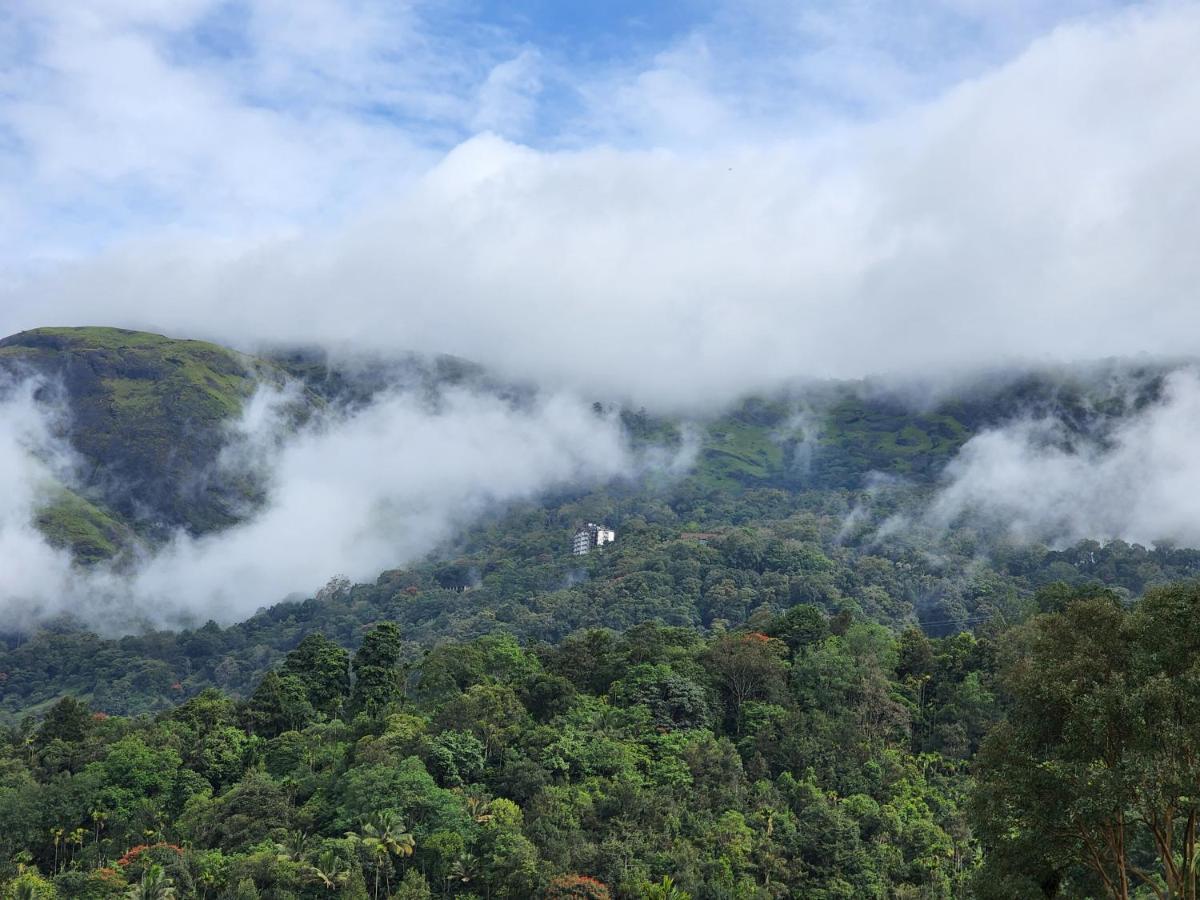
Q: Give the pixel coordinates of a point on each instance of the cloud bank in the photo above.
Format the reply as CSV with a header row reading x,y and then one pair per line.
x,y
1140,483
714,201
351,494
1041,208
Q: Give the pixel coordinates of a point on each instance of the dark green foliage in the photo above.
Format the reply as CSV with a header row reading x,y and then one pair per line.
x,y
324,669
279,704
668,762
147,416
68,720
377,678
1090,782
672,700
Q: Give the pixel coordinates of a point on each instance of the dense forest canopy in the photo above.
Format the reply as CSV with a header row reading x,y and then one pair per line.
x,y
803,755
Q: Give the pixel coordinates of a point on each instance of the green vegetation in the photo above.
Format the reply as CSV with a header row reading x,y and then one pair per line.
x,y
802,755
754,693
658,763
147,416
72,523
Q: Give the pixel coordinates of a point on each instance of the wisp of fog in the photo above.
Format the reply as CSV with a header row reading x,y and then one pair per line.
x,y
1139,483
351,493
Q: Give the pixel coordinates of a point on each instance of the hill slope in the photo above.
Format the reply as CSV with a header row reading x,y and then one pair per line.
x,y
778,507
147,417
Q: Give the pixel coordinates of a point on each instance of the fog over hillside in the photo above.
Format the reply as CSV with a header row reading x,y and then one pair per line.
x,y
351,493
674,230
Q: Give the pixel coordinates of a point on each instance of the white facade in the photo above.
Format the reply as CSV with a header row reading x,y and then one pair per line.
x,y
582,542
589,536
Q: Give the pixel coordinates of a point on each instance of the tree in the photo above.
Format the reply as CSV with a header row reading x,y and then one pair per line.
x,y
383,835
800,627
69,720
323,668
279,704
746,667
155,885
664,890
29,885
1099,757
413,886
329,871
673,700
376,673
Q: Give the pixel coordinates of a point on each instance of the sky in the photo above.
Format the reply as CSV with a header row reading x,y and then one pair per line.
x,y
669,203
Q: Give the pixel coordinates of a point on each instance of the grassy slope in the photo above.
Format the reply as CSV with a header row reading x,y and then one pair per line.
x,y
73,523
147,417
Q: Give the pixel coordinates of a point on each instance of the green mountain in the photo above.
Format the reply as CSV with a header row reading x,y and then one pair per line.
x,y
778,507
148,417
754,692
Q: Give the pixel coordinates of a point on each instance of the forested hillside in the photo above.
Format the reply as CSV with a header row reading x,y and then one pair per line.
x,y
784,678
804,755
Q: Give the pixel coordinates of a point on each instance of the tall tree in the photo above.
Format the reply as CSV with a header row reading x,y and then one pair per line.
x,y
377,680
1098,763
323,668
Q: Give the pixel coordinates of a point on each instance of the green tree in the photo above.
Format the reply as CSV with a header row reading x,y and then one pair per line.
x,y
377,681
69,720
155,885
746,667
29,885
323,668
1097,763
800,627
664,890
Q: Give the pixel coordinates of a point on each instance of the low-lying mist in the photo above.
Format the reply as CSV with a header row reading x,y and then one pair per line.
x,y
357,490
351,493
1138,481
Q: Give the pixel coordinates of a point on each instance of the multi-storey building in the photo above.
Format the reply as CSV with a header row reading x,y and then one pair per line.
x,y
590,536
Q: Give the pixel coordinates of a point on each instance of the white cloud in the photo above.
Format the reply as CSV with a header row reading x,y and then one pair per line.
x,y
32,461
351,494
837,190
507,101
1042,211
1141,483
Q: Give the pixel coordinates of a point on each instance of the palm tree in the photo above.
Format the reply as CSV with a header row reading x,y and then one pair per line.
x,y
155,885
293,846
328,871
76,838
99,817
57,834
383,835
664,890
480,809
373,846
464,868
389,829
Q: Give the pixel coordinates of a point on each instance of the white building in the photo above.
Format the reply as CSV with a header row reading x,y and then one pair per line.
x,y
590,536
